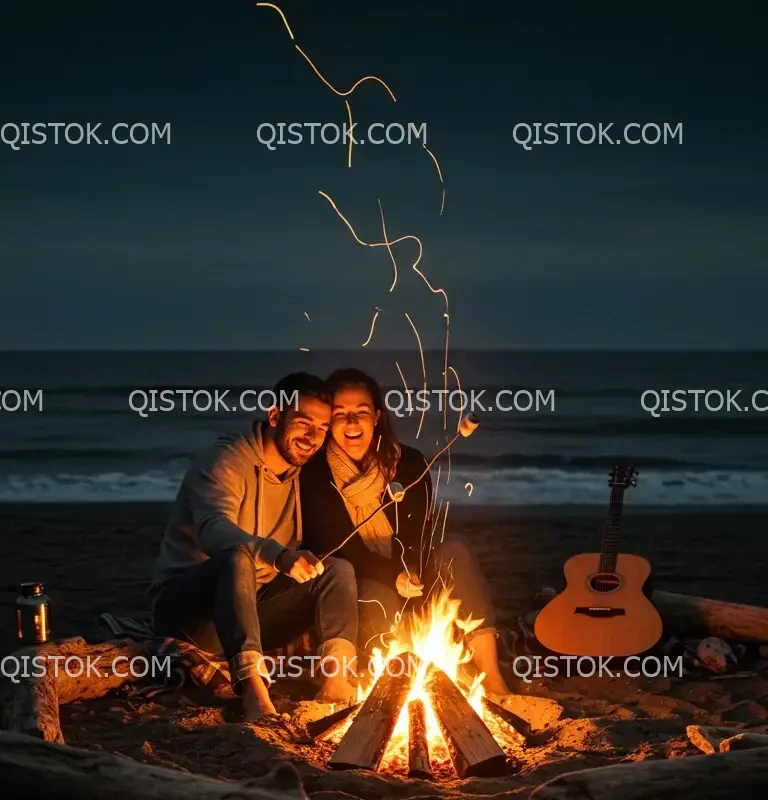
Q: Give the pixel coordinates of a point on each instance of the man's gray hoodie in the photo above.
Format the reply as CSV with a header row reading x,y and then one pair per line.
x,y
229,497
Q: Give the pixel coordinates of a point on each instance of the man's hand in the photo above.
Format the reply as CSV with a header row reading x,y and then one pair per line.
x,y
408,584
301,565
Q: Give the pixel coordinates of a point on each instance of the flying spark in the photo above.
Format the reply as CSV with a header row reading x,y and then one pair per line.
x,y
440,176
387,244
304,349
423,371
351,128
469,487
307,316
373,325
445,518
389,249
405,385
282,17
348,93
354,85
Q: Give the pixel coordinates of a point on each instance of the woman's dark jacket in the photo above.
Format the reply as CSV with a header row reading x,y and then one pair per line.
x,y
326,522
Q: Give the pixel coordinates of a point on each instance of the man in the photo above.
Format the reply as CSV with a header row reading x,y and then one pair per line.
x,y
231,577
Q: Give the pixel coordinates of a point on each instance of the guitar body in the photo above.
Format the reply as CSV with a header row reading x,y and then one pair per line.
x,y
603,610
601,614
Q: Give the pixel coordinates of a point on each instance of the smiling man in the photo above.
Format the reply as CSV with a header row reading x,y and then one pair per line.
x,y
232,577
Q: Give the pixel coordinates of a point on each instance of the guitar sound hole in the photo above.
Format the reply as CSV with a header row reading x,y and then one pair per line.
x,y
604,582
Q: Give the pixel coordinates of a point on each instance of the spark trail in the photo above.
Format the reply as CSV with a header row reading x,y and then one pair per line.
x,y
377,311
423,372
350,91
415,267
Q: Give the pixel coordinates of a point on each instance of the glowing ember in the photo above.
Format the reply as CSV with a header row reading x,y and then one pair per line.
x,y
435,637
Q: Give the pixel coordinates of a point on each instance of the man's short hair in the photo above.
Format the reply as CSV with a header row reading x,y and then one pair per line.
x,y
304,385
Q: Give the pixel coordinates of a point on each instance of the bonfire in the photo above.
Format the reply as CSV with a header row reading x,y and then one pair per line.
x,y
417,707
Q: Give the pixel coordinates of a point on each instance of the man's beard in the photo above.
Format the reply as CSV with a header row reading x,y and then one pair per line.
x,y
292,457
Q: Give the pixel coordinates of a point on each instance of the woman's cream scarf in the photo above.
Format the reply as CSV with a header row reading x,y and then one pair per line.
x,y
362,494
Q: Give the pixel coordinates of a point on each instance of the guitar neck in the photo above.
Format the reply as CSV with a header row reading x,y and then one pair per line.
x,y
610,550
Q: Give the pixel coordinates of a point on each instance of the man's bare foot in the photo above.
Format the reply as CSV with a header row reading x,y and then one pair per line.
x,y
336,689
256,700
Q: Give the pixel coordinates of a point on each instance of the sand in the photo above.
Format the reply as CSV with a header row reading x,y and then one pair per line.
x,y
99,558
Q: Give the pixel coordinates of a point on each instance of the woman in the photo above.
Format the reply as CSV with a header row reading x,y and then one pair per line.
x,y
347,481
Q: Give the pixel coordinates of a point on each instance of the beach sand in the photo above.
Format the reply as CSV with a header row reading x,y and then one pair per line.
x,y
97,558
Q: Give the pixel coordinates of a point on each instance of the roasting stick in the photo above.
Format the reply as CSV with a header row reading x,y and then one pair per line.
x,y
466,428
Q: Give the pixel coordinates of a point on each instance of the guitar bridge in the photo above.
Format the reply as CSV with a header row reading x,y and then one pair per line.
x,y
599,612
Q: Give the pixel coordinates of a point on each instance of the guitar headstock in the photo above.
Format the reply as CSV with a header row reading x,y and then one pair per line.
x,y
623,476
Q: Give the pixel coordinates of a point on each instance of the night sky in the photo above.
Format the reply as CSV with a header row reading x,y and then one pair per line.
x,y
215,241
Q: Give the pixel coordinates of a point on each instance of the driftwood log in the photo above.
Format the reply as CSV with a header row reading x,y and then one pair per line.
x,y
418,747
688,615
365,741
719,777
744,741
38,679
32,769
473,750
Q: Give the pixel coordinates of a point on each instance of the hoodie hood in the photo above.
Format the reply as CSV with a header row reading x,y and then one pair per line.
x,y
249,444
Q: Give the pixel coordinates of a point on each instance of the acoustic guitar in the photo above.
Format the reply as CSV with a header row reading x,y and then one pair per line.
x,y
603,610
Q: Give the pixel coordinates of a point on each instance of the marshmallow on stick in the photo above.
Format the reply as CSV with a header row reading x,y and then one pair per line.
x,y
468,424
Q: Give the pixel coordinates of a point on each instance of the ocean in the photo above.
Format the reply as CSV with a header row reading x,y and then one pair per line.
x,y
552,425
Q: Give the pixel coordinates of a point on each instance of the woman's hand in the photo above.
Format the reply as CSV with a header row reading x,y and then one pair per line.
x,y
408,585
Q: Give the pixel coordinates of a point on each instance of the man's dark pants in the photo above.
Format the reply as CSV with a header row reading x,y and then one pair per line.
x,y
218,606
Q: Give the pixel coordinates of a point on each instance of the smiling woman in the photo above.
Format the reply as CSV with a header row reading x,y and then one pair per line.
x,y
395,564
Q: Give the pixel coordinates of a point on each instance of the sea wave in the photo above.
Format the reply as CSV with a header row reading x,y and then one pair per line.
x,y
522,486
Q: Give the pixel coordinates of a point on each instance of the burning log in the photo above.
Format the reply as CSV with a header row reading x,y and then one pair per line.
x,y
692,616
474,752
418,746
51,675
364,744
32,769
520,726
714,777
326,726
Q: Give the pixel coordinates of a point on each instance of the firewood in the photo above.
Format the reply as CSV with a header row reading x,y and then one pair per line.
x,y
744,741
33,769
520,726
38,679
326,726
722,776
365,742
688,615
418,746
473,750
